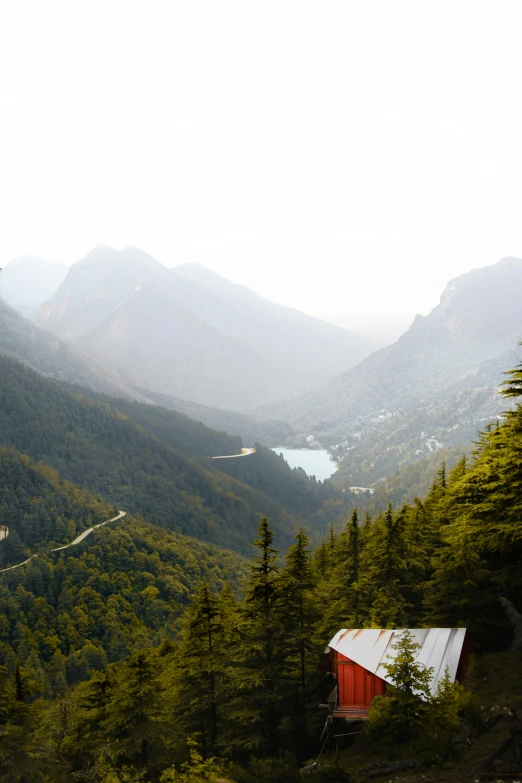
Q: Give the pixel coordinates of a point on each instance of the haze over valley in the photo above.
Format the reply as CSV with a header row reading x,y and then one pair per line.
x,y
260,392
190,340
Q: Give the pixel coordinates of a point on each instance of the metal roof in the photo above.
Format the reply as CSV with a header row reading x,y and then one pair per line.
x,y
371,648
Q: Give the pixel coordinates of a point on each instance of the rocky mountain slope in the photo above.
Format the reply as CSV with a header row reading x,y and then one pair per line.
x,y
431,388
191,334
20,339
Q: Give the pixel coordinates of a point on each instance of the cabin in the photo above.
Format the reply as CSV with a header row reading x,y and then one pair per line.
x,y
356,657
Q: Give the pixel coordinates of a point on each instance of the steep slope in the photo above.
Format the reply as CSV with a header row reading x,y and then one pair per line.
x,y
64,615
302,496
459,350
479,318
22,340
166,349
312,347
190,334
95,445
27,282
40,508
250,427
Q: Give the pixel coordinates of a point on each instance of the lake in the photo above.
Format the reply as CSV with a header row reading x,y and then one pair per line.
x,y
315,462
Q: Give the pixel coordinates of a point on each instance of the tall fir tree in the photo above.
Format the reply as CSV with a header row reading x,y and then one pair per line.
x,y
198,666
255,676
299,614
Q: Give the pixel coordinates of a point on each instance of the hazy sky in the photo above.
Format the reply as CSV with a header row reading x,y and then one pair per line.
x,y
339,157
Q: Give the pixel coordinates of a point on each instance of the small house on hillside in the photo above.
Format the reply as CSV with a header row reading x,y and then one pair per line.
x,y
356,658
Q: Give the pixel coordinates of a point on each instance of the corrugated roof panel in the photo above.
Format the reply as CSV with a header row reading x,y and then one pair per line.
x,y
372,648
453,652
429,648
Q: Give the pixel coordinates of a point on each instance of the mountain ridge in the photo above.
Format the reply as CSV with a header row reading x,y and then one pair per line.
x,y
465,343
248,348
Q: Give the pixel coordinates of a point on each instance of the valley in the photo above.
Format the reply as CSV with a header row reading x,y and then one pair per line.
x,y
260,392
231,564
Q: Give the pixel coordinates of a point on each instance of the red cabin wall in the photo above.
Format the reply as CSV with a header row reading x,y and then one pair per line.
x,y
356,687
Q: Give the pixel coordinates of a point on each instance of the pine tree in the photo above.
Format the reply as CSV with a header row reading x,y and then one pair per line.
x,y
17,763
340,593
514,383
385,573
132,722
254,678
299,615
199,663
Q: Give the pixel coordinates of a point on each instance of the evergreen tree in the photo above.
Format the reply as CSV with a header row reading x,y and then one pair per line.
x,y
256,694
299,614
132,722
514,383
198,666
384,573
339,593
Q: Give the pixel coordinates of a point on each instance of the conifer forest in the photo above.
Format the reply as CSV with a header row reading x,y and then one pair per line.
x,y
145,654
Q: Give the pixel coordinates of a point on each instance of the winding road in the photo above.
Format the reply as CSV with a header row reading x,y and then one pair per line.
x,y
244,453
76,541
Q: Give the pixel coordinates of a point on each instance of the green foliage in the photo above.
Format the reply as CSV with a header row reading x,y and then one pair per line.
x,y
197,769
514,382
115,652
446,718
410,714
255,694
40,508
400,716
299,611
66,615
197,679
146,465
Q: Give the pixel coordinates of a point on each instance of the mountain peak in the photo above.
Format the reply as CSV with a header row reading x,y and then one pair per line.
x,y
98,255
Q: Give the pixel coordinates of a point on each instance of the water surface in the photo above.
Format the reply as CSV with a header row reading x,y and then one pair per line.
x,y
315,462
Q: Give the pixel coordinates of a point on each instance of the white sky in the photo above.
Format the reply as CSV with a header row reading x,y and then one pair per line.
x,y
339,157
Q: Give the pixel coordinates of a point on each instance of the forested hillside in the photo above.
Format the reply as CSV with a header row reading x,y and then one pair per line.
x,y
243,682
40,508
96,446
65,615
251,427
175,429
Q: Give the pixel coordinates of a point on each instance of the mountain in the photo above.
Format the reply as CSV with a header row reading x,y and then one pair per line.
x,y
157,463
20,339
250,427
385,328
190,334
27,282
441,375
308,345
